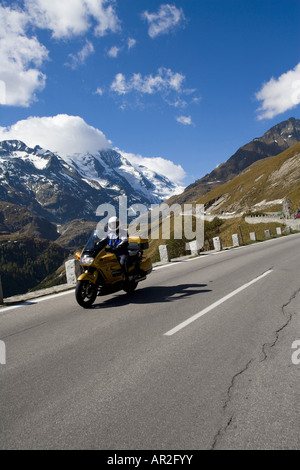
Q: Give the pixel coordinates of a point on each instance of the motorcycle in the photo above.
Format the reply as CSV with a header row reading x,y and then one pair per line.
x,y
102,273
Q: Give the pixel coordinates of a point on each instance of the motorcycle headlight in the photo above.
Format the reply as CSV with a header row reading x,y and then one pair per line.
x,y
87,260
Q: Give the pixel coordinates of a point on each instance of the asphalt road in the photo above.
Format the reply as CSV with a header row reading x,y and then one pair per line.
x,y
110,377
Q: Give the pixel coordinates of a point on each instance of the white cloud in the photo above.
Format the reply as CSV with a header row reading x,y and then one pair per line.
x,y
279,95
185,120
20,59
113,52
67,18
22,55
131,43
104,13
165,20
177,103
63,134
83,54
167,168
164,80
2,92
99,91
196,99
119,84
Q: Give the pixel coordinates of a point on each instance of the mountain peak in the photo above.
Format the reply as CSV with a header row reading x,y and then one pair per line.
x,y
289,129
64,188
11,145
112,158
276,140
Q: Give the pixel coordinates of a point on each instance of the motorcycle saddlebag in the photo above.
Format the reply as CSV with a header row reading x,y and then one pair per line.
x,y
146,265
142,242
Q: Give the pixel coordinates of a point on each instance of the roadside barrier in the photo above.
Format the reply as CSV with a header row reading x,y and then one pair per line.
x,y
164,253
73,271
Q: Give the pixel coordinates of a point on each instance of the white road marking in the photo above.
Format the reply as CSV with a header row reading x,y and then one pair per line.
x,y
6,309
52,296
214,305
172,264
31,302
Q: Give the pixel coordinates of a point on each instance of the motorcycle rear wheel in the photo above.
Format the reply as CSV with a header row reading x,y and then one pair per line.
x,y
86,293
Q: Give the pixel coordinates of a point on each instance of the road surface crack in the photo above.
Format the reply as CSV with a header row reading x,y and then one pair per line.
x,y
23,331
288,317
223,429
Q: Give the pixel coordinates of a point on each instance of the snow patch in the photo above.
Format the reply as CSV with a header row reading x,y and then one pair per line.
x,y
257,179
39,162
265,203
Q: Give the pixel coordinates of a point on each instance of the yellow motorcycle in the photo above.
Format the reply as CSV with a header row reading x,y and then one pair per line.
x,y
102,273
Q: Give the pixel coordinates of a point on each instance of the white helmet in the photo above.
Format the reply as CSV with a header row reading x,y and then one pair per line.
x,y
113,224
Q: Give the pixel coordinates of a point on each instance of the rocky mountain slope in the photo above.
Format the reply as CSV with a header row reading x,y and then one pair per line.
x,y
61,190
262,186
18,220
279,138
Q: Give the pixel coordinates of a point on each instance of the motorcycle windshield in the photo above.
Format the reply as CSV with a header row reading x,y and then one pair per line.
x,y
95,243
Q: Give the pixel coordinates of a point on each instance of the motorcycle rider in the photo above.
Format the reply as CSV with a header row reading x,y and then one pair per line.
x,y
118,243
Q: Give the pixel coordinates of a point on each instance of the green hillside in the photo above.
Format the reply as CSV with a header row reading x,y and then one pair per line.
x,y
267,181
25,262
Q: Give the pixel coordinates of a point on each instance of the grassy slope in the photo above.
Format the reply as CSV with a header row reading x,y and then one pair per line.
x,y
232,226
270,179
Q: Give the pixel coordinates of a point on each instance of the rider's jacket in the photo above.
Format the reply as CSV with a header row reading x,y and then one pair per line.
x,y
118,240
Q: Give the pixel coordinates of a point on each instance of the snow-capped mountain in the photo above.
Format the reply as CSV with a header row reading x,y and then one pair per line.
x,y
116,174
62,189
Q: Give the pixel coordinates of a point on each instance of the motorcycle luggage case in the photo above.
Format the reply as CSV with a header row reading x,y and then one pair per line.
x,y
142,242
146,265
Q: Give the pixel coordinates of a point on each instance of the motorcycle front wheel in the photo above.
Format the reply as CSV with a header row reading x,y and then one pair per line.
x,y
86,293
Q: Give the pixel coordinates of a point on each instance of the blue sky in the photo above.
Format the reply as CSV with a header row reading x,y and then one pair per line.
x,y
178,80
